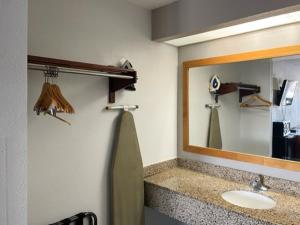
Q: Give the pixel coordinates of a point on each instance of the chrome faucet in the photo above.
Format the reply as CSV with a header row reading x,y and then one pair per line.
x,y
258,184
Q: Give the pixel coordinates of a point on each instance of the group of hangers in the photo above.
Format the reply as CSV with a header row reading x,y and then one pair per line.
x,y
255,101
51,100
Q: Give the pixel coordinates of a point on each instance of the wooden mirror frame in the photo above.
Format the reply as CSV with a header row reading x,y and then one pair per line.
x,y
248,56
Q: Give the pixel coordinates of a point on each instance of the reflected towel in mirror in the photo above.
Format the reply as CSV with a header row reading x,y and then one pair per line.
x,y
214,133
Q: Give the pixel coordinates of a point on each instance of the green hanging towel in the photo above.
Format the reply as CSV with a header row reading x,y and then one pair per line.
x,y
214,135
127,176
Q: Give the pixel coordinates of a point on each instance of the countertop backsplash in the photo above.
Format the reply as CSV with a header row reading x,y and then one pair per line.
x,y
245,177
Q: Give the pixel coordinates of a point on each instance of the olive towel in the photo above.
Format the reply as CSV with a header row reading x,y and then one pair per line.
x,y
214,134
127,176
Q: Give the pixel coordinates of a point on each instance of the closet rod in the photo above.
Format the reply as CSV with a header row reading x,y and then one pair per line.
x,y
57,69
247,88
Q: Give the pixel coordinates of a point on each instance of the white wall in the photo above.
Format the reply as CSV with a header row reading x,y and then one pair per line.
x,y
68,166
288,68
270,38
13,116
256,124
242,130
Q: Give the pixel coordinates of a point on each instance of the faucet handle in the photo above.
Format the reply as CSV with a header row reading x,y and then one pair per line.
x,y
262,181
258,184
254,182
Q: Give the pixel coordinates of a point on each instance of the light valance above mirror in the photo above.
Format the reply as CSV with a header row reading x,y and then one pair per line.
x,y
244,107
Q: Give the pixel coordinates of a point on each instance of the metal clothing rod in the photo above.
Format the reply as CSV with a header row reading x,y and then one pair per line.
x,y
124,107
246,88
45,68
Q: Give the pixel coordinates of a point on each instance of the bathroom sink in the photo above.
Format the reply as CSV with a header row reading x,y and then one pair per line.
x,y
249,199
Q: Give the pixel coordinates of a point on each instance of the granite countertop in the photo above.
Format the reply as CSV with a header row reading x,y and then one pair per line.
x,y
208,189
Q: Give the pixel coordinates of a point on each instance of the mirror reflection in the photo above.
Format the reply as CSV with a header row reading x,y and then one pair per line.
x,y
248,107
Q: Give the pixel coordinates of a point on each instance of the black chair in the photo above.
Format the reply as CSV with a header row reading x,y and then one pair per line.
x,y
78,219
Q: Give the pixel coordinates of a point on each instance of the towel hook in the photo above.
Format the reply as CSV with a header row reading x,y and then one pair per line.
x,y
124,107
212,106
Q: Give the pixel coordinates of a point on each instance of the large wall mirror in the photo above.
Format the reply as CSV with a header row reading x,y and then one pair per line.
x,y
245,107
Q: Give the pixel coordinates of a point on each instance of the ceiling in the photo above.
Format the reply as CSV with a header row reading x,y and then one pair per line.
x,y
151,4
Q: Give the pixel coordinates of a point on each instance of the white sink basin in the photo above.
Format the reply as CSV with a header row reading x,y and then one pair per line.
x,y
249,199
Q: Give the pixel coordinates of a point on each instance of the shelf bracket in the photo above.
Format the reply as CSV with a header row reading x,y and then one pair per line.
x,y
116,84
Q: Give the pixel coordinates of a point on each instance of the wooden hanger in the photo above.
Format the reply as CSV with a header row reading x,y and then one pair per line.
x,y
51,101
255,101
59,118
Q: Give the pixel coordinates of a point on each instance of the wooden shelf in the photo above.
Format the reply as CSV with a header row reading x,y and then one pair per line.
x,y
226,88
115,84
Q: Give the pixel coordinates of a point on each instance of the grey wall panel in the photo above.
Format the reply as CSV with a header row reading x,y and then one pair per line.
x,y
153,217
3,187
13,113
192,16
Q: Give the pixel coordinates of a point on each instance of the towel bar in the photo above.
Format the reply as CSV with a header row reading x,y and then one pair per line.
x,y
124,107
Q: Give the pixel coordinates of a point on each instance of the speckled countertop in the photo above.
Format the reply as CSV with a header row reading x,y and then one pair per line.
x,y
208,189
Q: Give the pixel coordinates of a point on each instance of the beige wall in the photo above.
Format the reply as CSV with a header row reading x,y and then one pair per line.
x,y
199,115
256,124
68,166
270,38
